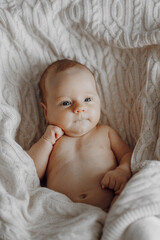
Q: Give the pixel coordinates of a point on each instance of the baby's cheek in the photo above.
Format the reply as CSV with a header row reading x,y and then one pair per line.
x,y
95,115
65,121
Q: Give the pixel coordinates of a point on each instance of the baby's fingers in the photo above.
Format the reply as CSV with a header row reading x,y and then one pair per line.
x,y
52,134
117,186
58,132
118,191
108,182
105,182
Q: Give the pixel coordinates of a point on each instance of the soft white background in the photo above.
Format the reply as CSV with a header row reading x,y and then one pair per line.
x,y
119,41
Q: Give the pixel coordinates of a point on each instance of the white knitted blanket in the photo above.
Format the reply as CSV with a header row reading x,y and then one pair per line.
x,y
119,41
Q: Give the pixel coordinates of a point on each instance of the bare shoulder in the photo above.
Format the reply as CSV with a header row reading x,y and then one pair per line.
x,y
103,127
108,131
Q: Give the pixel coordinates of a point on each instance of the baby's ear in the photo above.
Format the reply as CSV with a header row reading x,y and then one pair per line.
x,y
44,110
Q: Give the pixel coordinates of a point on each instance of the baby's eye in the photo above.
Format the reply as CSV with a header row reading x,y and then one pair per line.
x,y
88,99
66,103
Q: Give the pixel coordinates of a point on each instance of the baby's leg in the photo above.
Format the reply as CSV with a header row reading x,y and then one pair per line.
x,y
144,229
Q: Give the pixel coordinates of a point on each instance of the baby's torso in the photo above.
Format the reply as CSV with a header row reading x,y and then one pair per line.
x,y
77,166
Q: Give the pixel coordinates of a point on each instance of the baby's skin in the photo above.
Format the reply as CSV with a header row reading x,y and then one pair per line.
x,y
82,159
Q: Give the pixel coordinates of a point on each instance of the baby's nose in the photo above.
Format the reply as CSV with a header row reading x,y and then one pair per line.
x,y
79,109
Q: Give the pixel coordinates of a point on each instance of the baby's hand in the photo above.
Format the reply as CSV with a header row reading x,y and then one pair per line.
x,y
116,180
52,134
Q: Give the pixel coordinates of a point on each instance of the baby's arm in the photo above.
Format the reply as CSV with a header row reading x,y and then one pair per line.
x,y
116,179
41,150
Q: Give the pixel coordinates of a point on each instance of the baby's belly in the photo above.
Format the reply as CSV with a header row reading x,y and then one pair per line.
x,y
96,197
82,190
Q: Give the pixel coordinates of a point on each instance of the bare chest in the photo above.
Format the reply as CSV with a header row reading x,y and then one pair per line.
x,y
79,160
77,166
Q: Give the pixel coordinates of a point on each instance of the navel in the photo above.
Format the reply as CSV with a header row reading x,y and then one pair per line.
x,y
82,196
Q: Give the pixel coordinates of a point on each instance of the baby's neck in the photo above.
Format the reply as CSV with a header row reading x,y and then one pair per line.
x,y
83,135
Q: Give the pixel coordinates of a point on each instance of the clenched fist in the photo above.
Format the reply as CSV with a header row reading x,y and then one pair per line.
x,y
116,179
52,134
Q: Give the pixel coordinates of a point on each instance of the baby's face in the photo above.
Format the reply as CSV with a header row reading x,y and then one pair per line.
x,y
72,101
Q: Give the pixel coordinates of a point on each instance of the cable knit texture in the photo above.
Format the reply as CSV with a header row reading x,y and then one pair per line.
x,y
119,41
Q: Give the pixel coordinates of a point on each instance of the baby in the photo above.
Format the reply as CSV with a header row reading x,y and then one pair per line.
x,y
82,159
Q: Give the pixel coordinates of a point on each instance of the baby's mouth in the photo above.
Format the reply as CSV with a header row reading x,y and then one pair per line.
x,y
80,120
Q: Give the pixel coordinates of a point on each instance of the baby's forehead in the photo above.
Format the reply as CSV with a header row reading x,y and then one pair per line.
x,y
55,78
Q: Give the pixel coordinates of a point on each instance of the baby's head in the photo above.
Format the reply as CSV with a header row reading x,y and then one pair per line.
x,y
70,98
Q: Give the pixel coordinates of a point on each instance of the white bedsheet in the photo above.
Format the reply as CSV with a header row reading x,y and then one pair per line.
x,y
119,41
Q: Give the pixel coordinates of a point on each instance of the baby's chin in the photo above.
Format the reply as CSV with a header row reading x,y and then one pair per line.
x,y
71,134
76,133
79,128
